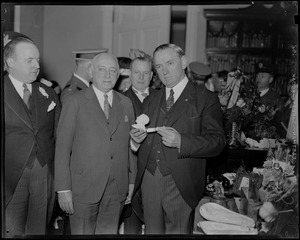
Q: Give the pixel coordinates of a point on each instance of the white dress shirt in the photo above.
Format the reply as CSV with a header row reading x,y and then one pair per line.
x,y
139,93
19,86
177,89
100,97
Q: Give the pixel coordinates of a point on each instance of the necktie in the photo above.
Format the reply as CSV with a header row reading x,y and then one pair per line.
x,y
144,94
106,106
26,95
170,100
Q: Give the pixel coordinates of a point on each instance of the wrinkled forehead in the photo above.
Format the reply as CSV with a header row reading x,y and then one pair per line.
x,y
165,55
26,49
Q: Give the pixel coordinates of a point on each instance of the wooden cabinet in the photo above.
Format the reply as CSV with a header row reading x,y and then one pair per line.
x,y
244,37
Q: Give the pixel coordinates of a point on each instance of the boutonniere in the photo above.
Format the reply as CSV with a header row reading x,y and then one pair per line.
x,y
51,106
43,92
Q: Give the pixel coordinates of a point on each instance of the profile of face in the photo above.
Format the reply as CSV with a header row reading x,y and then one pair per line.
x,y
169,66
124,84
104,72
263,80
141,74
24,63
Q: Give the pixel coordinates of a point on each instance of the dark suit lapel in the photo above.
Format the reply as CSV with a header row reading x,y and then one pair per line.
x,y
95,108
181,104
116,112
15,102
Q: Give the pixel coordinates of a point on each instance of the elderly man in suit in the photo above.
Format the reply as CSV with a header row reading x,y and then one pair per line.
x,y
95,168
171,162
80,78
31,114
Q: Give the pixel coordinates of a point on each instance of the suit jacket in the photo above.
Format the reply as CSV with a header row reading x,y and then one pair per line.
x,y
272,98
72,86
198,117
89,150
20,135
137,104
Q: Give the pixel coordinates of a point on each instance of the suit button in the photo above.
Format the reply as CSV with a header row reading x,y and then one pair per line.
x,y
157,160
110,139
111,157
158,151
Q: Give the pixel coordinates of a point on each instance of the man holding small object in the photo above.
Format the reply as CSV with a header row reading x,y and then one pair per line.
x,y
171,161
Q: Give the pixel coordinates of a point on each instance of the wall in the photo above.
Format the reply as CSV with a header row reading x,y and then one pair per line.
x,y
69,28
58,30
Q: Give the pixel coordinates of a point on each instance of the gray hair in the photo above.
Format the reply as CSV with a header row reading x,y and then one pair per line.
x,y
178,50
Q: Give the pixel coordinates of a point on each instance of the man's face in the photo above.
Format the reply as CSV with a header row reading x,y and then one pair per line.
x,y
24,64
141,74
263,80
169,66
104,72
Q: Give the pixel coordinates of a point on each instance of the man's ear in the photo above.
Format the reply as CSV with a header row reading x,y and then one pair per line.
x,y
10,62
271,79
183,62
90,70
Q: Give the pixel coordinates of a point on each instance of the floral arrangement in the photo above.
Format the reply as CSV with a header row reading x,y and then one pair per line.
x,y
277,177
241,104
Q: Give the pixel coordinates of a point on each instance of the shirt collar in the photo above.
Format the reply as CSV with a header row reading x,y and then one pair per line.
x,y
263,92
178,88
101,94
19,85
80,78
139,92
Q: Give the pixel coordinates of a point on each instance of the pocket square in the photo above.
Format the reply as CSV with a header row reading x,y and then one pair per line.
x,y
51,106
126,118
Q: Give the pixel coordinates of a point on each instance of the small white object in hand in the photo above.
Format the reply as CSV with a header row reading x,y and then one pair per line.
x,y
141,121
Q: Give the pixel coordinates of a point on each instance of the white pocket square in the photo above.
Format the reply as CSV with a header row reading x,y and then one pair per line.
x,y
126,118
51,106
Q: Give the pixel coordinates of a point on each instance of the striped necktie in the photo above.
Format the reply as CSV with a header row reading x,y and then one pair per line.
x,y
106,106
26,95
170,100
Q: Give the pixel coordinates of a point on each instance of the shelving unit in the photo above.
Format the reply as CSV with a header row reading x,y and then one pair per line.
x,y
244,37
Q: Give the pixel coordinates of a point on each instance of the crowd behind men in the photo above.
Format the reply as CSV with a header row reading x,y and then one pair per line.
x,y
82,151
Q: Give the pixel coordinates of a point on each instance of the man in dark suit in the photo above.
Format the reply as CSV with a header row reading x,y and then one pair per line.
x,y
80,78
31,114
95,168
140,77
171,162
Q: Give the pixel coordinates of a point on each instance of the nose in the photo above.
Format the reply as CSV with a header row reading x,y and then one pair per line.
x,y
141,76
107,73
165,70
36,64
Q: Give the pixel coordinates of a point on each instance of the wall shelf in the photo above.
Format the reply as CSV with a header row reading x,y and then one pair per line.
x,y
243,37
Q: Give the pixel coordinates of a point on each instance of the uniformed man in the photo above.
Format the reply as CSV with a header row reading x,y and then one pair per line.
x,y
264,79
199,73
80,78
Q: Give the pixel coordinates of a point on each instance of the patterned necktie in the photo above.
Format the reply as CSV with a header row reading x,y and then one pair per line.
x,y
170,100
26,95
106,106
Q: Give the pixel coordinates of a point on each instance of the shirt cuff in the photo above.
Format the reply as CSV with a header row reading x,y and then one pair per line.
x,y
134,146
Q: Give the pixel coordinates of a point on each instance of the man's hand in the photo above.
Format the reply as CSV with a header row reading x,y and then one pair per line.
x,y
170,137
130,192
65,201
138,135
